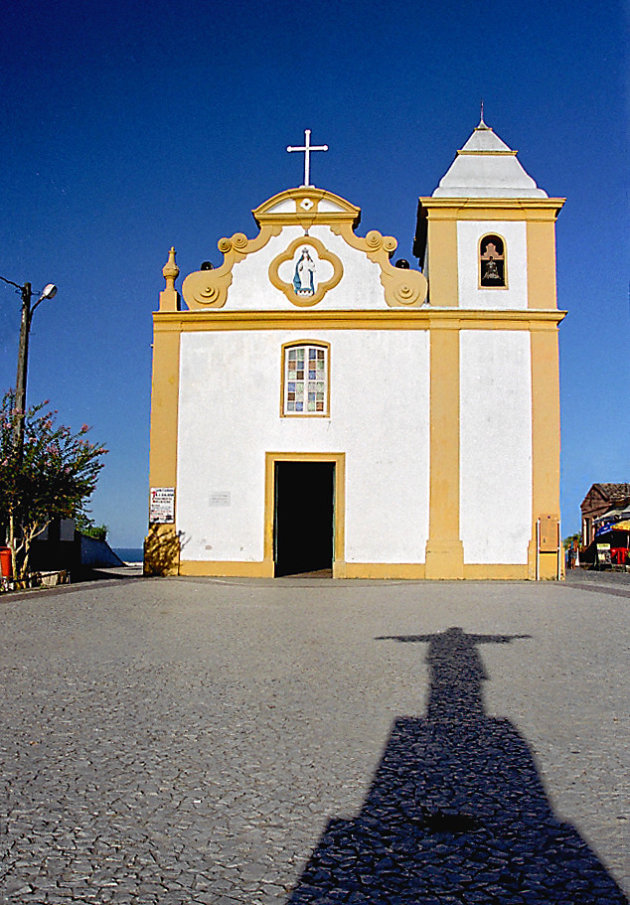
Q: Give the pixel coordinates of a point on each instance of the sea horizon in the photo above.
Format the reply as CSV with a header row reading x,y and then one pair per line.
x,y
129,554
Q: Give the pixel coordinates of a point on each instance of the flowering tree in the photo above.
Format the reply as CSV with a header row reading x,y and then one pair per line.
x,y
51,474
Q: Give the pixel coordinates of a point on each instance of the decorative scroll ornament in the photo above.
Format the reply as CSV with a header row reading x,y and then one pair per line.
x,y
209,288
306,207
403,288
306,287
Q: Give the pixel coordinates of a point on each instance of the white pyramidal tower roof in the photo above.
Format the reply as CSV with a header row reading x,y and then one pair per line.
x,y
487,168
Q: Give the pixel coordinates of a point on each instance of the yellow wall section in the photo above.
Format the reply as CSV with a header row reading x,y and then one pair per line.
x,y
444,550
161,549
442,266
489,571
381,570
545,442
541,265
226,568
164,405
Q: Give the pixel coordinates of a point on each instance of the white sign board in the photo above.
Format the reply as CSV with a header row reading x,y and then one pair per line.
x,y
162,505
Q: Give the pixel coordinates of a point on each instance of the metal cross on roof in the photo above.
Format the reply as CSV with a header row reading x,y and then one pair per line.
x,y
307,148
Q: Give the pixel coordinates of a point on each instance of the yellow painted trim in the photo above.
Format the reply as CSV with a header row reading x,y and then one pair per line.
x,y
442,263
386,570
541,265
403,288
506,153
226,568
505,268
161,549
339,534
264,215
493,571
492,208
444,550
291,345
164,410
383,319
417,571
545,442
322,288
362,570
209,288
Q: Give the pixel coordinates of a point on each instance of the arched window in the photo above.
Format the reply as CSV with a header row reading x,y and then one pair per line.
x,y
492,263
305,378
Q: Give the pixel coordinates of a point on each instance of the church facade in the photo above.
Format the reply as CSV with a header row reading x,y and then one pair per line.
x,y
315,406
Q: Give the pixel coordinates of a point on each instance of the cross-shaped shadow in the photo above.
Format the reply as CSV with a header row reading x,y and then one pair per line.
x,y
457,813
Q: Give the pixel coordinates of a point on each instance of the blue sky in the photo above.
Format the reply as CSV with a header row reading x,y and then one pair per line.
x,y
127,128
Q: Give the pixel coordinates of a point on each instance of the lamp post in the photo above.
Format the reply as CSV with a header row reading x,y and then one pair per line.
x,y
26,293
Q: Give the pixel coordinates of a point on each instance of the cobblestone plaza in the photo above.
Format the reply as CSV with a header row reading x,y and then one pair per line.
x,y
175,741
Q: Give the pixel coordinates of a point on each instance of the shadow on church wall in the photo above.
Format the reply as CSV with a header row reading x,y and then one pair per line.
x,y
457,813
162,550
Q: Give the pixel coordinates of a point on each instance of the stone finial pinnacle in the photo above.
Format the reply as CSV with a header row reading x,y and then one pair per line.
x,y
170,271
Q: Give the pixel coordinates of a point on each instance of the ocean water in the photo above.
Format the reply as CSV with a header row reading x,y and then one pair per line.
x,y
129,554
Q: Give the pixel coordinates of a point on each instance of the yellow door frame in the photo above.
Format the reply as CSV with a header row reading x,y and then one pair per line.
x,y
339,503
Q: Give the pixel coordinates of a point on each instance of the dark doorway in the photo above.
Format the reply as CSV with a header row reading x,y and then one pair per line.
x,y
303,529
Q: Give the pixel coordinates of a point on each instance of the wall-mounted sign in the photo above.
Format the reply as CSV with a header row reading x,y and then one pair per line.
x,y
220,498
162,505
549,534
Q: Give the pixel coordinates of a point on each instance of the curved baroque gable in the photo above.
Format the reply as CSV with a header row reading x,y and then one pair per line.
x,y
303,209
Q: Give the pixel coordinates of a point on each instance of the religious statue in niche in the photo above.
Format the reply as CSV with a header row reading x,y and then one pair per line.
x,y
304,275
492,263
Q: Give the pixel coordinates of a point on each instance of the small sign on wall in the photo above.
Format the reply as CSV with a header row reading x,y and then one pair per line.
x,y
549,534
162,505
220,498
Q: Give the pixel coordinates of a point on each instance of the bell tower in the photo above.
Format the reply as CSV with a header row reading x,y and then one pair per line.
x,y
486,241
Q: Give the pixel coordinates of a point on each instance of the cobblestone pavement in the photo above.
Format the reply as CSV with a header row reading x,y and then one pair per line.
x,y
182,741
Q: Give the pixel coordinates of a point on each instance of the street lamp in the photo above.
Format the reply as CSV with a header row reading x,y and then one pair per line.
x,y
25,328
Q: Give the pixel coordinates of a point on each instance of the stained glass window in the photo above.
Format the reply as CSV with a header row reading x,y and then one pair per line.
x,y
305,380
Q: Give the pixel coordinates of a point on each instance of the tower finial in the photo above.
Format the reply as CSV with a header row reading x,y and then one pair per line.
x,y
482,124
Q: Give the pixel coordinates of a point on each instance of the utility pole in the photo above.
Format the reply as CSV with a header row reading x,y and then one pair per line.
x,y
22,366
26,293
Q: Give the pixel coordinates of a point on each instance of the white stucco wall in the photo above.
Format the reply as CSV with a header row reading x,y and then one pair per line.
x,y
229,416
469,233
495,446
359,288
